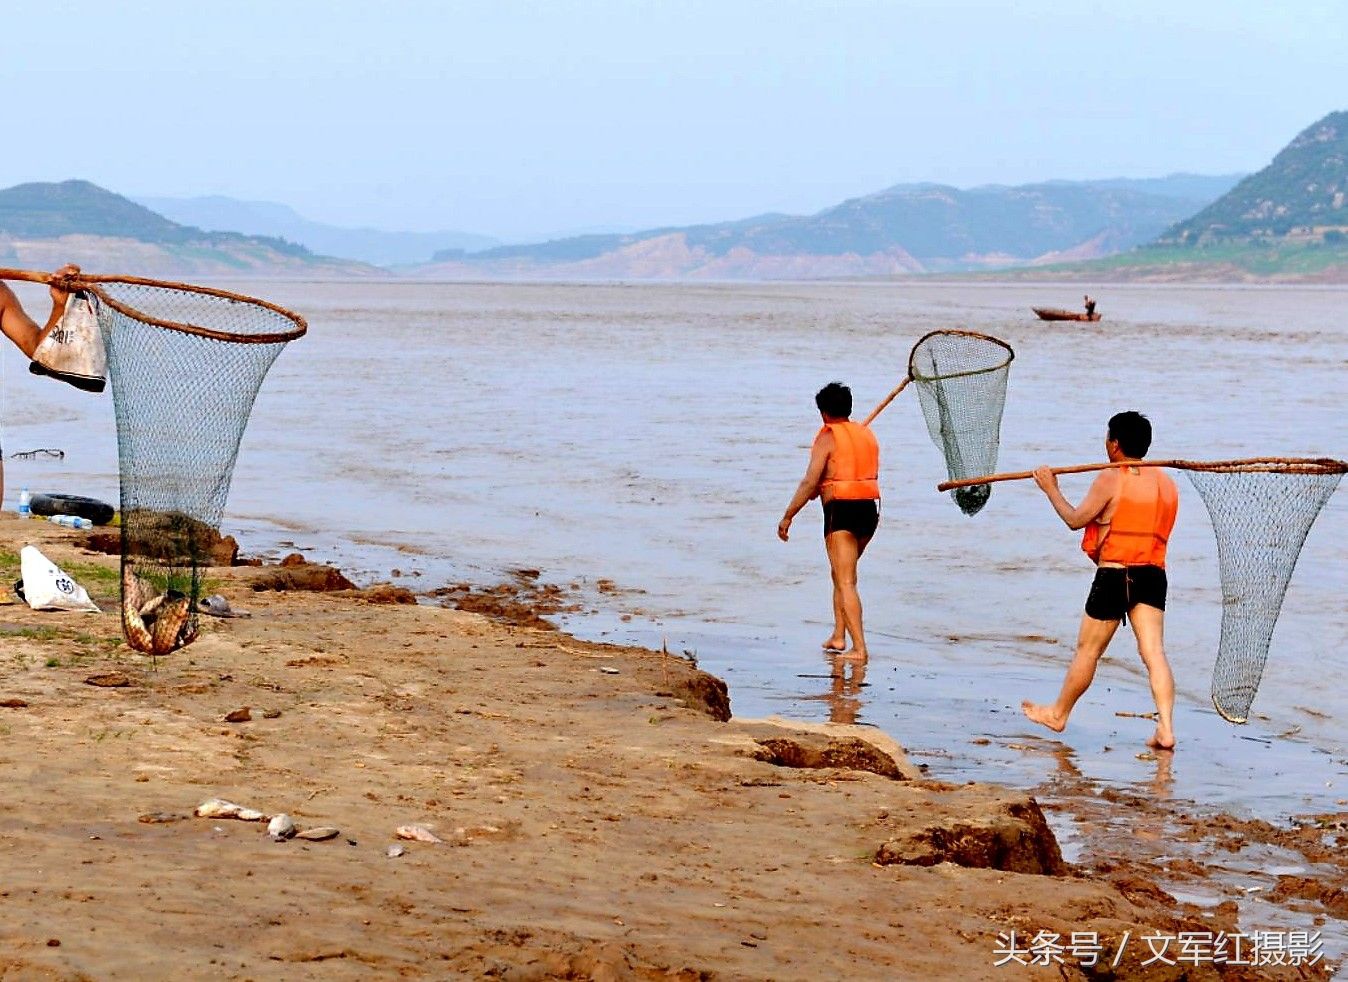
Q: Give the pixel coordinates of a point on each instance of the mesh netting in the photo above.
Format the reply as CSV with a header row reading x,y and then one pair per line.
x,y
186,364
961,383
1261,512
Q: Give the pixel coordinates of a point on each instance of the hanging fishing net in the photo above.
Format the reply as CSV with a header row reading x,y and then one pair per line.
x,y
961,383
1262,511
186,364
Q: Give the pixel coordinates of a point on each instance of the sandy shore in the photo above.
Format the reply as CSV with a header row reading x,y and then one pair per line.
x,y
598,819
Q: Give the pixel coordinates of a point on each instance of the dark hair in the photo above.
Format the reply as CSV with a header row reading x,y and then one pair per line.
x,y
834,399
1132,431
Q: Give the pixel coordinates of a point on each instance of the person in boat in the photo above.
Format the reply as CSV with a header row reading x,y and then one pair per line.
x,y
1090,306
23,330
843,473
1127,515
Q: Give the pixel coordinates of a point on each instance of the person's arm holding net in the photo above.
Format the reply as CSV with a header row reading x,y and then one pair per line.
x,y
22,329
1077,517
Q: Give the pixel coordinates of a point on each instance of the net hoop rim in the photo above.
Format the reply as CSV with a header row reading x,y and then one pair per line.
x,y
91,283
955,332
1316,466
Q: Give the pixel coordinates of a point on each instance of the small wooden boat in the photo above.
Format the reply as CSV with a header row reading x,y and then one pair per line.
x,y
1054,314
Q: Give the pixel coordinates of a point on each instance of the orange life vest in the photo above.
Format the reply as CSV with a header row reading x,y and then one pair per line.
x,y
854,465
1143,517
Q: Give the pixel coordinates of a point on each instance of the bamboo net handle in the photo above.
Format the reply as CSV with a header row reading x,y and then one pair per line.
x,y
86,281
29,275
1284,465
887,400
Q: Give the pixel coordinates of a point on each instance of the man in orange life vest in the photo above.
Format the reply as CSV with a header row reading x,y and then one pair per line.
x,y
842,473
1127,514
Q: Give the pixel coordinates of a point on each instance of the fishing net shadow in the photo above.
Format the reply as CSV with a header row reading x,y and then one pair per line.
x,y
186,364
1261,511
961,383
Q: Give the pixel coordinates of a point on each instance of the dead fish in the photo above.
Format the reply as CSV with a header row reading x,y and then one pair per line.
x,y
417,833
281,827
170,624
321,834
219,808
154,623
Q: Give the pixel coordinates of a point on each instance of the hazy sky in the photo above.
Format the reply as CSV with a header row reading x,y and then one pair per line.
x,y
514,118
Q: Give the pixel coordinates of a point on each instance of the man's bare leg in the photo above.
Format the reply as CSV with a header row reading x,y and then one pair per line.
x,y
843,552
1092,640
837,641
1148,627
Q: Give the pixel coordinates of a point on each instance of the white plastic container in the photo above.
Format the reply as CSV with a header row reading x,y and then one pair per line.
x,y
25,509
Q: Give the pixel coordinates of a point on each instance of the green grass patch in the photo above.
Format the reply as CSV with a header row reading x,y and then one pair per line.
x,y
1265,259
93,576
38,633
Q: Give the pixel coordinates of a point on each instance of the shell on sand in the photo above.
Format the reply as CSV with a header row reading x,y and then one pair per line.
x,y
219,808
417,833
281,827
320,834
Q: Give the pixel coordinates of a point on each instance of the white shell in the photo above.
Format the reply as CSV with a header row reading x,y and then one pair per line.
x,y
418,833
321,834
281,827
218,808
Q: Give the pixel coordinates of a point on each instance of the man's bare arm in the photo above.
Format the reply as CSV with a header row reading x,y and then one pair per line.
x,y
22,329
1096,500
808,489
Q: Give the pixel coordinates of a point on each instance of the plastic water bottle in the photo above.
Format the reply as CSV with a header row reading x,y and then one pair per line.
x,y
71,521
25,509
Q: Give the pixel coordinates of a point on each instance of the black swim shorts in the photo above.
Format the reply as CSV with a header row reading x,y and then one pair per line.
x,y
859,517
1117,589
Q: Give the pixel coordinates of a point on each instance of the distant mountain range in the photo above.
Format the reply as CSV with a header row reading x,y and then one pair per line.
x,y
908,228
1302,193
1288,222
266,218
44,225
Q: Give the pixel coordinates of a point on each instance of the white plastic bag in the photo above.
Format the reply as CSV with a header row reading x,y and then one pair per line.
x,y
73,351
47,587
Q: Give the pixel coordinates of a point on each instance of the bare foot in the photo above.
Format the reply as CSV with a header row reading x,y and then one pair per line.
x,y
1162,739
1044,716
856,654
834,642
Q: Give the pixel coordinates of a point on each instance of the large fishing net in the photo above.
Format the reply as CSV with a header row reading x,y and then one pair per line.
x,y
1261,510
186,364
961,383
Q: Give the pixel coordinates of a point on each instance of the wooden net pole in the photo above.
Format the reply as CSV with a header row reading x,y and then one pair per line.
x,y
887,400
1278,465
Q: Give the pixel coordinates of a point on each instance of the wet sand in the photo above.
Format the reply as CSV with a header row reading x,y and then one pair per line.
x,y
598,820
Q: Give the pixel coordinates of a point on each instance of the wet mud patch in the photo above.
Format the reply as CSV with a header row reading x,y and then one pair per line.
x,y
520,602
986,833
814,751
